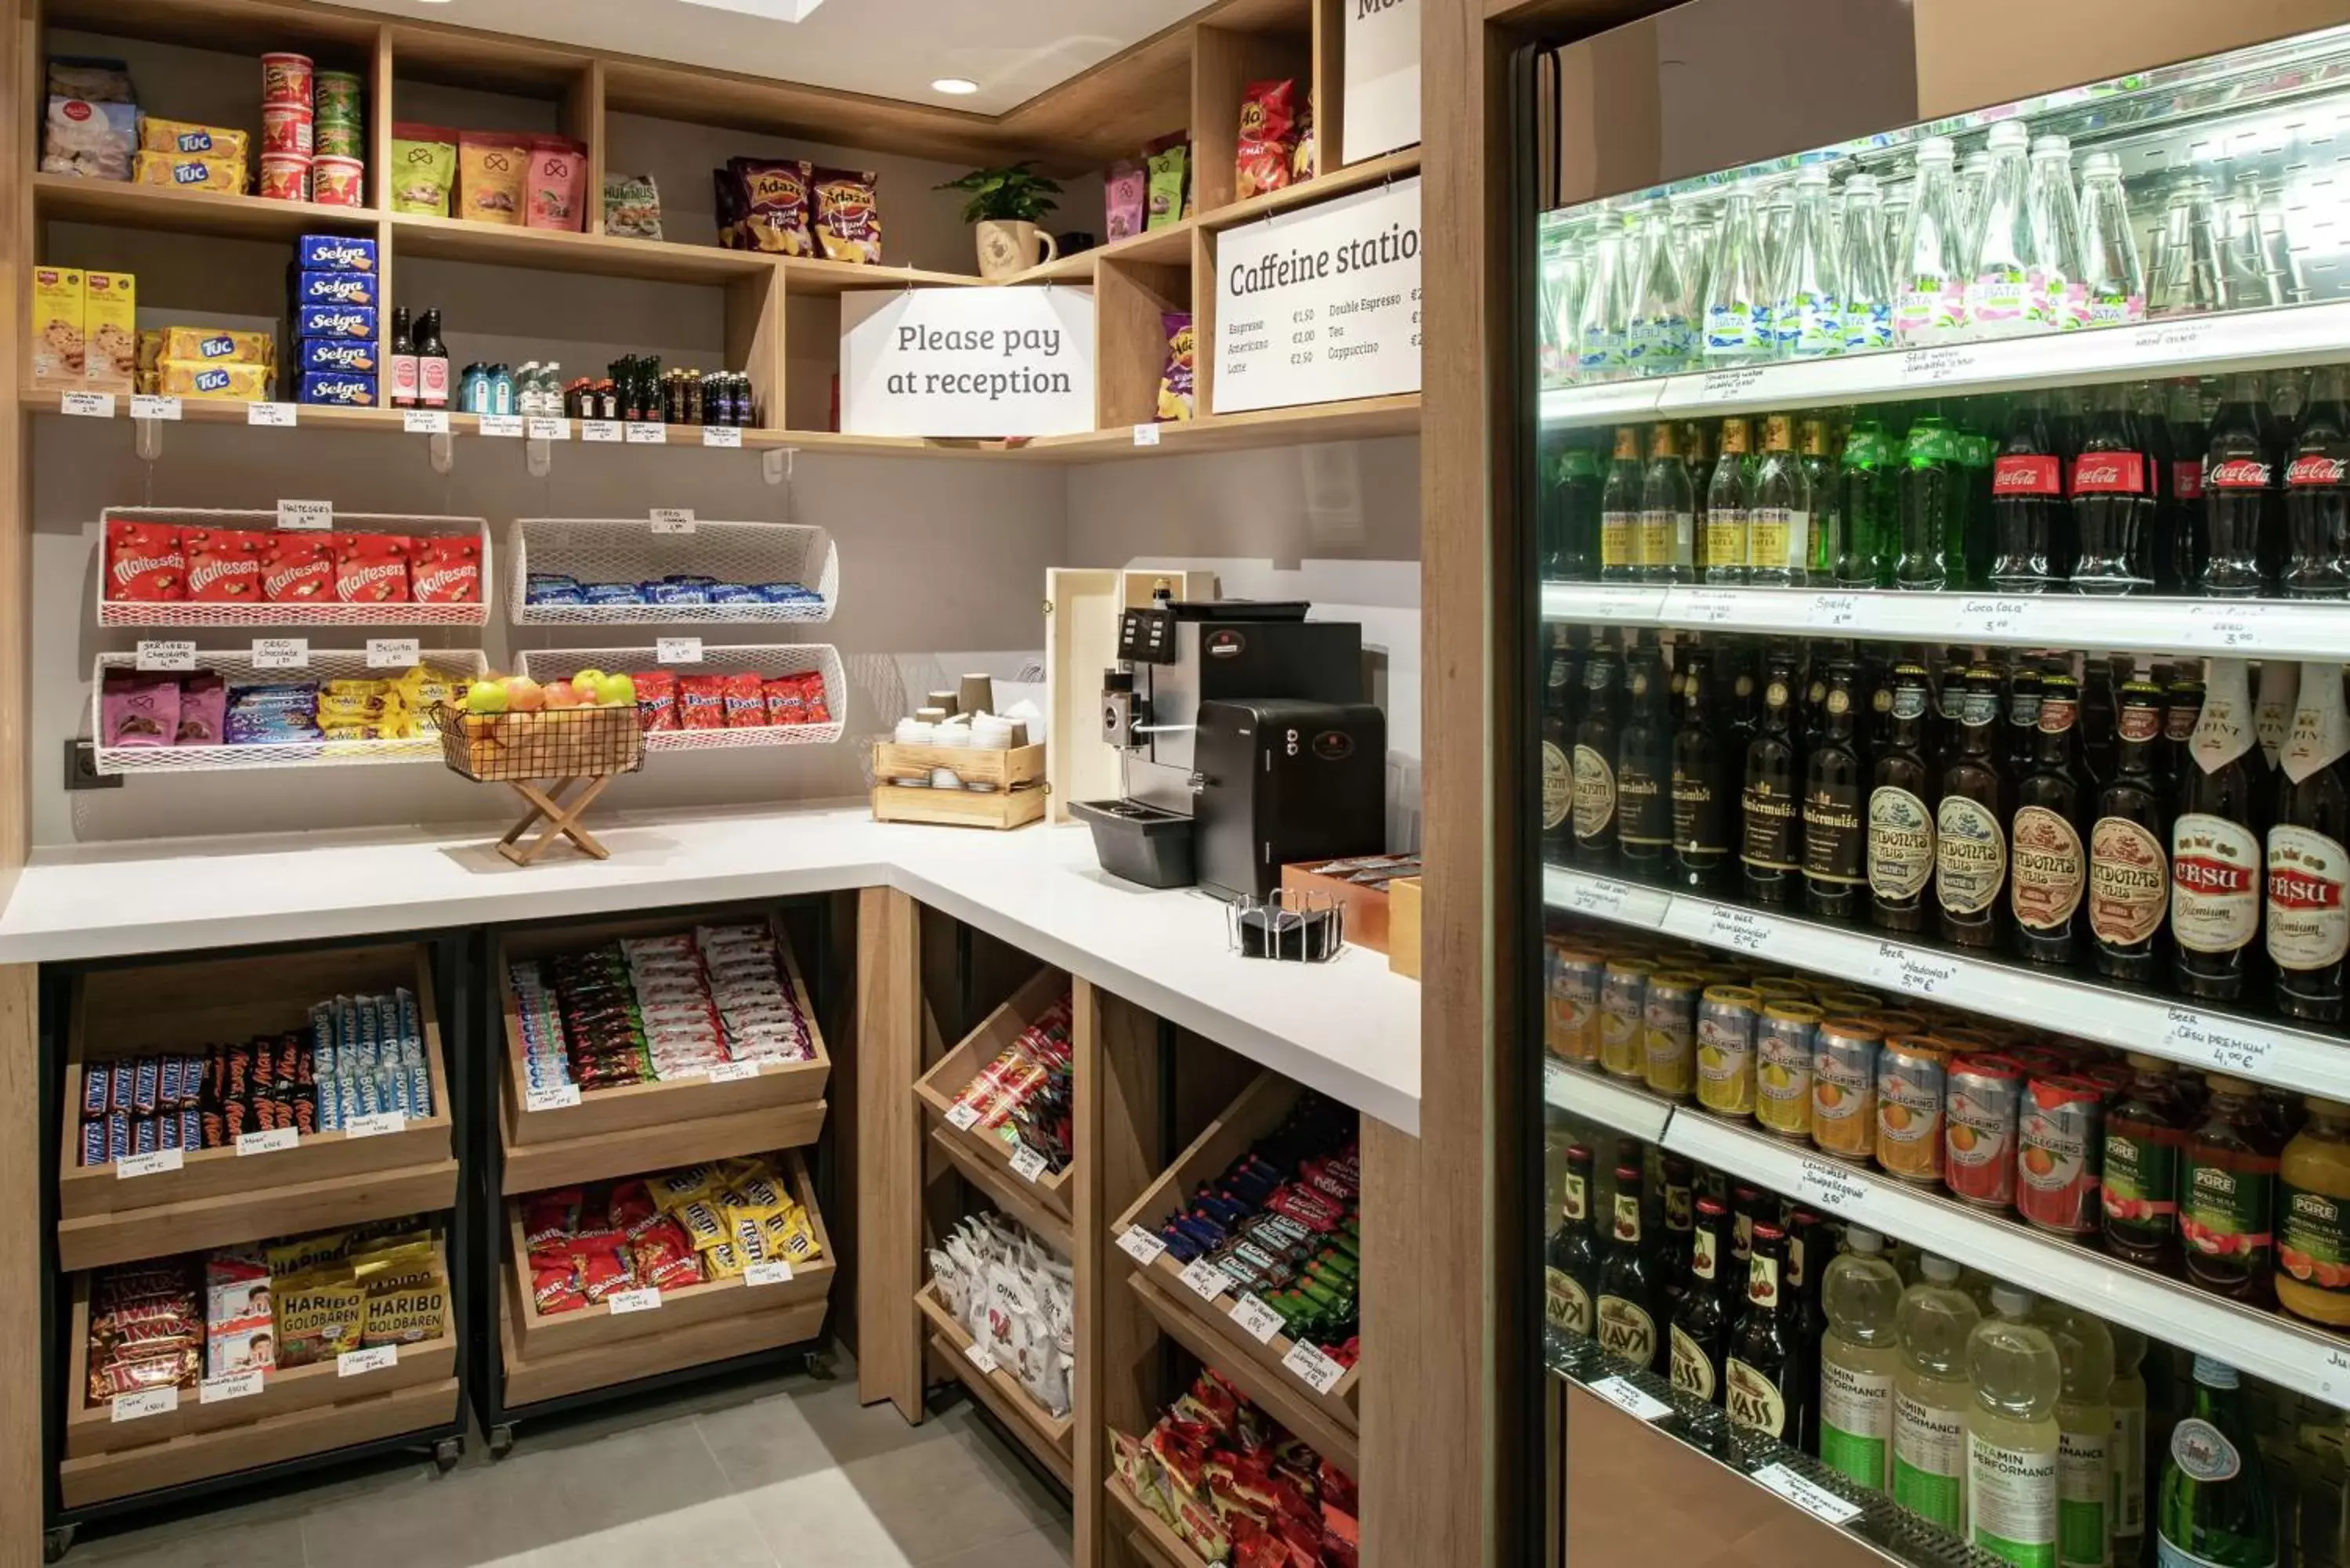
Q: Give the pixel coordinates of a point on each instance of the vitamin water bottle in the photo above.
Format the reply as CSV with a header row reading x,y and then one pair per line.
x,y
2126,1398
2085,1429
1931,1395
1859,1355
2013,1438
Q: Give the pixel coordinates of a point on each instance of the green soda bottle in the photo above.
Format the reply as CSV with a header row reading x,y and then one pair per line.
x,y
2214,1511
1869,507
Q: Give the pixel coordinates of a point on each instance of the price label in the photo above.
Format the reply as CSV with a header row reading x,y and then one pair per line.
x,y
2333,1374
378,1125
1931,365
394,652
1831,1186
678,649
644,1298
600,430
1260,1320
1815,1500
1141,1246
1312,1368
2224,1044
963,1117
732,1072
501,425
2225,625
2168,342
729,436
159,1162
1028,1165
1703,607
1995,618
1607,899
1740,928
424,421
275,416
547,430
979,1355
672,519
1724,386
88,405
552,1097
378,1358
281,653
1621,603
1835,611
145,1402
305,515
776,1272
1145,435
646,435
167,655
1918,973
147,406
268,1142
1620,1393
1206,1281
230,1385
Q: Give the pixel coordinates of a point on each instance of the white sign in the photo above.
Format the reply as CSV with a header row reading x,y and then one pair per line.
x,y
230,1385
2225,1044
600,430
966,362
89,405
351,1363
1621,1394
147,1402
1141,1246
1261,1322
392,652
501,424
424,421
146,406
381,1124
548,430
963,1117
670,519
1206,1281
268,1142
980,1355
160,1162
1145,435
732,1072
776,1271
277,416
1833,1187
1319,306
1815,1500
645,1298
646,435
678,649
281,653
1028,1165
166,655
1317,1371
723,435
552,1097
1382,88
305,515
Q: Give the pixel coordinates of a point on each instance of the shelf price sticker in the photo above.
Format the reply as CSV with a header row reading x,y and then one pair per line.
x,y
1205,1280
1701,606
1740,928
1626,1397
281,653
1028,1165
730,436
88,405
1141,1246
1312,1368
547,430
1814,1500
273,415
1724,386
376,1358
644,1298
145,1402
1918,973
1931,365
642,434
159,1162
732,1072
1995,618
1612,900
1260,1320
678,649
601,429
2169,341
1832,611
1145,435
1621,603
379,1124
2333,1375
963,1117
1833,1186
269,1142
230,1385
147,406
776,1271
552,1097
305,515
672,519
979,1355
394,652
2225,625
2223,1042
501,425
170,654
424,421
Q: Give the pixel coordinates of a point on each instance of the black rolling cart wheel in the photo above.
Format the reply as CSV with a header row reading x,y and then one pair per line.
x,y
502,1441
56,1542
447,1452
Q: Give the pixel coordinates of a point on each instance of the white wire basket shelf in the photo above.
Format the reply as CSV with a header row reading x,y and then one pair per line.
x,y
266,611
627,550
237,668
763,659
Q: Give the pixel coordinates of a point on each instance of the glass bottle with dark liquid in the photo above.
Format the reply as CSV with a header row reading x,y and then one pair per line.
x,y
1644,805
1808,1250
2226,1194
2047,863
1631,1309
2129,849
2215,846
1901,812
1570,1260
1835,843
1701,1331
2182,710
2307,917
1594,812
2145,1138
1758,1371
1568,538
1678,1183
2237,494
1558,748
2317,494
1768,803
1929,475
2180,552
2027,491
1706,779
1970,824
2112,501
2018,737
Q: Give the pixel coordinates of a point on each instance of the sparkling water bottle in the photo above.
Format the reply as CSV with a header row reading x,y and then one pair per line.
x,y
1867,288
2113,280
1807,309
1738,330
1562,263
2001,300
1974,178
1600,347
1662,339
1930,305
2055,218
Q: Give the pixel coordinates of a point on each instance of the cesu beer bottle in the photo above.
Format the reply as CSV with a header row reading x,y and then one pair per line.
x,y
2027,489
2215,844
2317,495
2237,493
2112,501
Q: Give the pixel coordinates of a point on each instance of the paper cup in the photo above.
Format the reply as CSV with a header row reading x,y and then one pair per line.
x,y
287,79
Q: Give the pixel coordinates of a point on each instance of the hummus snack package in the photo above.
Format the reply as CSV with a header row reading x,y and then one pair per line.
x,y
492,174
632,206
848,216
423,169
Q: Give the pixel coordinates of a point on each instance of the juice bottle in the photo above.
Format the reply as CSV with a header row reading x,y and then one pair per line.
x,y
2013,1438
2226,1194
2314,1247
2128,1400
2085,1429
1858,1357
1931,1395
2146,1135
2215,1510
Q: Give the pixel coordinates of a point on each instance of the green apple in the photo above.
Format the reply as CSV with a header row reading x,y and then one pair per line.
x,y
586,680
614,690
485,697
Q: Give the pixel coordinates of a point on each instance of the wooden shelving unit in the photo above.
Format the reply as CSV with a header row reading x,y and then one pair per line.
x,y
1046,1435
1147,1533
1043,1204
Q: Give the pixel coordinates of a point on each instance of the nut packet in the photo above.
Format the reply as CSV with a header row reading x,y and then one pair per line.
x,y
557,184
1125,191
1169,172
493,175
848,218
423,169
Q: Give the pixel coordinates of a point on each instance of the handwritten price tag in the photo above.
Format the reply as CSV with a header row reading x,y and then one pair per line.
x,y
2168,342
230,1385
170,655
1620,1393
1260,1320
1829,610
382,1124
1831,1186
509,425
678,649
392,652
548,430
160,1162
355,1362
1621,603
1919,974
275,416
776,1272
552,1097
281,653
1141,1246
1995,618
1702,607
600,430
1145,435
963,1117
979,1355
1607,899
269,1142
1028,1165
1725,386
1739,929
145,1402
1206,1281
645,1298
729,436
1935,363
647,435
2226,1044
424,421
1815,1500
88,405
2223,625
305,515
146,406
732,1072
1312,1368
672,520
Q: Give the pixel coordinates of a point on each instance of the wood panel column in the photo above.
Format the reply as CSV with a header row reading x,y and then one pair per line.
x,y
888,1153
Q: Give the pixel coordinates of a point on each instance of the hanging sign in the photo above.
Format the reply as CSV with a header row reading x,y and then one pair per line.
x,y
1382,88
1320,305
967,361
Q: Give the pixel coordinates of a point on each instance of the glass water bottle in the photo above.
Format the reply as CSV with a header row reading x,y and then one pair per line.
x,y
1866,285
1807,306
2001,300
2112,279
1929,304
1661,340
1738,328
2055,220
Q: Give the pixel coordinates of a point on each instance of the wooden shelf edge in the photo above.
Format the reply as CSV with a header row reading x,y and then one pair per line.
x,y
1340,181
325,1204
1005,1191
1000,1386
1158,1545
1291,1405
597,1157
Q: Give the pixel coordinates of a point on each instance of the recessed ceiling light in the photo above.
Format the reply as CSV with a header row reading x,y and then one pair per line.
x,y
768,10
958,87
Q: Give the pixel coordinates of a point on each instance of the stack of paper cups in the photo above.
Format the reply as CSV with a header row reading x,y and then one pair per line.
x,y
288,131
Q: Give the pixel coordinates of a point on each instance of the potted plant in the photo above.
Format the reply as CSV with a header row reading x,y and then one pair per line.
x,y
1004,207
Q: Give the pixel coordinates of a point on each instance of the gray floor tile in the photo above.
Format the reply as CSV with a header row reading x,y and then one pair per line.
x,y
715,1534
941,1496
221,1541
1030,1549
820,1519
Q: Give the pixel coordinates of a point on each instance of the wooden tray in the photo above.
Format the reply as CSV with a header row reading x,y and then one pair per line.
x,y
1047,1436
648,1126
1259,1110
1273,1391
219,1198
529,1380
1149,1534
1018,799
985,1157
539,1338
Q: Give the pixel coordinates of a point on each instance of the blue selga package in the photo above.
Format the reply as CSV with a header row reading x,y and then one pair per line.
x,y
335,321
349,356
334,253
334,288
339,387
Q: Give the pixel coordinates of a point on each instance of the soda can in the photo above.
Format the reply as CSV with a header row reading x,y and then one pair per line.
x,y
1890,1021
1777,988
1726,1020
1844,1088
1623,997
1912,1078
1571,1020
1669,1032
1783,1076
1979,1129
1842,1000
2059,1138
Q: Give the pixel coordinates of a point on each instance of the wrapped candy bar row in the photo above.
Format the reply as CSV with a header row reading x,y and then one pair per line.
x,y
552,588
1237,1488
171,562
690,1226
743,701
1023,1097
139,708
1016,1296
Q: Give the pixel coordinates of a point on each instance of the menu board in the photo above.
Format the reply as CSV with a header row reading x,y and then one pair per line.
x,y
1320,304
1382,86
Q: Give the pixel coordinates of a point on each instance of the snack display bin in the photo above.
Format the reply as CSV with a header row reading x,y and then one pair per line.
x,y
1046,1435
242,665
766,660
1146,1533
643,549
327,611
1041,1203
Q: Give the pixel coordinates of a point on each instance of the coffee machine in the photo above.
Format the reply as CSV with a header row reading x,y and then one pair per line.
x,y
1246,744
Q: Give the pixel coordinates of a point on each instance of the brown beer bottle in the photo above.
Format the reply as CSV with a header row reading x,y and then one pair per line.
x,y
1594,811
1770,848
1836,842
2215,844
2047,863
1705,781
1644,751
1901,812
1558,748
2129,846
2308,921
1970,824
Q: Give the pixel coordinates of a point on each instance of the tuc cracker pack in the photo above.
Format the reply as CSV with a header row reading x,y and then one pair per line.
x,y
58,345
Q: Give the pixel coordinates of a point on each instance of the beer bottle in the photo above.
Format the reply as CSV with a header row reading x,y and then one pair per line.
x,y
1704,780
1567,538
1619,510
1700,1330
2129,847
2215,845
2047,866
1767,802
1644,806
1836,853
1779,526
1679,1182
1902,813
2182,710
2020,740
1571,1260
1630,1311
1970,824
1809,1249
1557,748
1949,697
1757,1371
2308,921
1728,496
1594,813
1667,511
2272,710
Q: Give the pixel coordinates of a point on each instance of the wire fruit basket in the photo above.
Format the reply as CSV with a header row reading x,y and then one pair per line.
x,y
266,611
763,659
238,669
558,760
627,550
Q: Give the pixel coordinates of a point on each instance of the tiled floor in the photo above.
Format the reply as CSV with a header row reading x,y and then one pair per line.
x,y
789,1473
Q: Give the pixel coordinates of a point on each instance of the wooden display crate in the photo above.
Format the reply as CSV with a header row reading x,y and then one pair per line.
x,y
1258,1111
218,1198
1047,1436
984,1157
760,1314
1153,1541
650,1127
1271,1389
531,1380
1016,800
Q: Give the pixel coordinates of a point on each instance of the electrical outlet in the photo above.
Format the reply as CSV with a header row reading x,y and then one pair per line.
x,y
81,768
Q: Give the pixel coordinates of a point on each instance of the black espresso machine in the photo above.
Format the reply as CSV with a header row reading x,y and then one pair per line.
x,y
1245,743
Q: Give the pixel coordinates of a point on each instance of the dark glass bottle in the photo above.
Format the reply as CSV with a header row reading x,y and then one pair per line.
x,y
2307,918
1705,781
2129,849
2018,737
1835,839
2214,1506
1644,770
1949,697
1700,1330
431,363
2144,1136
1809,1248
1567,537
2182,710
1571,1260
1558,748
1594,813
2098,678
2238,496
1770,850
2317,494
1901,802
2215,846
2027,491
1619,510
1758,1370
1928,473
2047,862
401,379
1631,1307
2226,1194
1678,1183
1970,824
2181,553
2112,501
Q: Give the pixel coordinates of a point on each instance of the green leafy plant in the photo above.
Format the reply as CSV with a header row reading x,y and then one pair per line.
x,y
1014,192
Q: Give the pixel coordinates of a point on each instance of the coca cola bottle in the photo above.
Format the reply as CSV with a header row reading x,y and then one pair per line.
x,y
2027,490
2237,502
2112,501
2178,530
2317,496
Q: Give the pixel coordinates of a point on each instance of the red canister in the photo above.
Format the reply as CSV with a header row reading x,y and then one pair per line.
x,y
2059,1145
287,79
1979,1128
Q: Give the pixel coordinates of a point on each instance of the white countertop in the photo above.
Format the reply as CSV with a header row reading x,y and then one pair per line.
x,y
1349,1028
